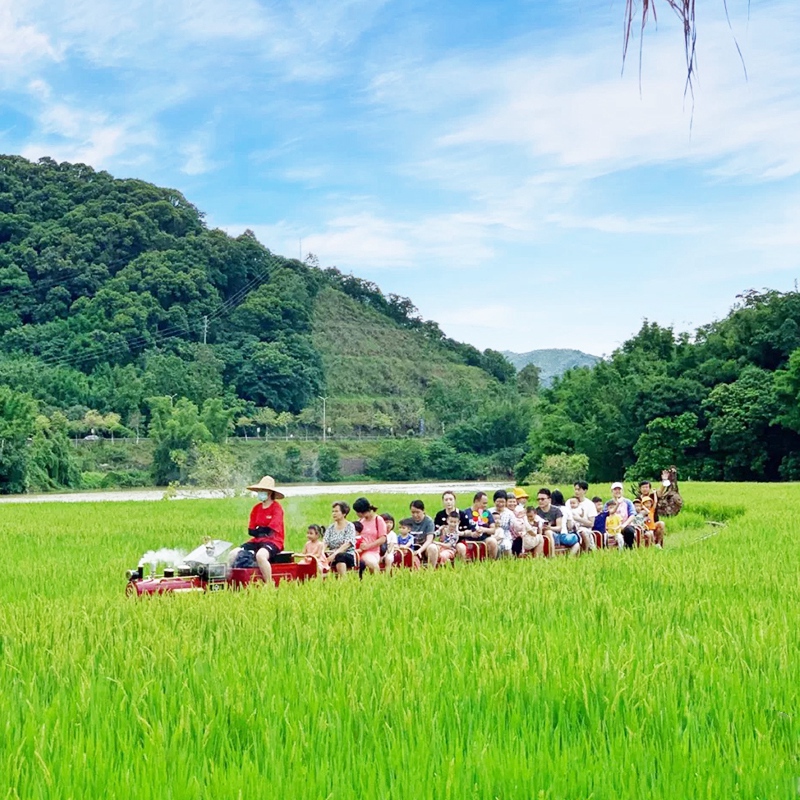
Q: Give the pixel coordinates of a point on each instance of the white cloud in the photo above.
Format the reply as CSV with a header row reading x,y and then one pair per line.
x,y
21,44
72,133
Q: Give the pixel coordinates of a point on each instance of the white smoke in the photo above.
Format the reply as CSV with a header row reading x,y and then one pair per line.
x,y
170,558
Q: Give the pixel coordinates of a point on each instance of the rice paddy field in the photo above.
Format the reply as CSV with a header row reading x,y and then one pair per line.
x,y
647,674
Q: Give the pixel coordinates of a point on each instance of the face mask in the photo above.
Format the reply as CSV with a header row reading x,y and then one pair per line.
x,y
262,496
665,483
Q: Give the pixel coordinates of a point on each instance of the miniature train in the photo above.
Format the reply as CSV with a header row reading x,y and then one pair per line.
x,y
206,570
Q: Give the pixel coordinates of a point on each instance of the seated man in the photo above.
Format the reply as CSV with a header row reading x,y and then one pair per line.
x,y
553,522
481,524
423,530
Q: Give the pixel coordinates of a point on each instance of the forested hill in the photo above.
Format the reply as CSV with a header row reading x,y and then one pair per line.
x,y
115,291
111,287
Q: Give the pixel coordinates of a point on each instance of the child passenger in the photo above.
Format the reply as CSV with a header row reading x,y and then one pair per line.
x,y
641,520
315,548
391,542
614,526
450,548
599,524
399,543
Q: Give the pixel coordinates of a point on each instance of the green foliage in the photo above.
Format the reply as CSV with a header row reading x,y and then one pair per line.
x,y
215,467
17,423
398,460
721,406
529,380
176,430
52,462
328,464
559,469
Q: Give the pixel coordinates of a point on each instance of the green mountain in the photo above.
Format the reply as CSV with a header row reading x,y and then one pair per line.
x,y
551,363
115,291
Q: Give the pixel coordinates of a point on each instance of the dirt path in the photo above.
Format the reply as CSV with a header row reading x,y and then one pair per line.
x,y
295,490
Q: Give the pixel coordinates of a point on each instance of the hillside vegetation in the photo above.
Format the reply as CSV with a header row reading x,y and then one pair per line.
x,y
121,313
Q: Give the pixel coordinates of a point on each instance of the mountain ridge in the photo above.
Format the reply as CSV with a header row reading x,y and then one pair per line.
x,y
552,362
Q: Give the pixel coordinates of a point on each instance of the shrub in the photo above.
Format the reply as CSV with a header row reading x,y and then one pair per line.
x,y
328,468
401,460
92,480
560,469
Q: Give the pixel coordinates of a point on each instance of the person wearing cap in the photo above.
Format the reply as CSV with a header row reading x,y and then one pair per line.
x,y
646,492
517,503
373,534
266,527
626,511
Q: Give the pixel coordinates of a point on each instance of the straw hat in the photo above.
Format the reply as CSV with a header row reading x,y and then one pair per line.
x,y
520,494
267,484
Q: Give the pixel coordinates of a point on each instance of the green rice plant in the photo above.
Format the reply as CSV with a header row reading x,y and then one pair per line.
x,y
658,674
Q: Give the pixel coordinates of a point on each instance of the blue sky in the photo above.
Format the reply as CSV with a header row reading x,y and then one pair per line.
x,y
488,160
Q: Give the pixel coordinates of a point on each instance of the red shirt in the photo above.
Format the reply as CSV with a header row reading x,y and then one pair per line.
x,y
371,531
269,517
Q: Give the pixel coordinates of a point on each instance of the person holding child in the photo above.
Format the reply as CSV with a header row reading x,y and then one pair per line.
x,y
449,503
373,535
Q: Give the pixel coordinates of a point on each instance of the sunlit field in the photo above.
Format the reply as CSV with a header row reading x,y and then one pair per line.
x,y
646,674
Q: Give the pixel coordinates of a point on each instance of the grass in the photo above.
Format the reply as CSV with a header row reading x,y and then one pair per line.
x,y
669,674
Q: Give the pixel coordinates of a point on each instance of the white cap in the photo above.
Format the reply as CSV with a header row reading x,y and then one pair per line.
x,y
617,485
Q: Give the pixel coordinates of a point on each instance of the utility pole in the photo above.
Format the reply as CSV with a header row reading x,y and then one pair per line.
x,y
324,419
205,329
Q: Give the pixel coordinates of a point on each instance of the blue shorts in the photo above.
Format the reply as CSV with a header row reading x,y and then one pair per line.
x,y
566,539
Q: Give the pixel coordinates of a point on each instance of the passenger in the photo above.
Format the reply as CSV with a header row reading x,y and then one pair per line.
x,y
532,539
517,502
517,519
625,511
599,523
449,502
389,520
614,526
266,530
554,522
390,548
340,539
423,529
504,521
406,538
584,515
645,491
315,548
642,521
373,535
450,547
481,524
558,501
